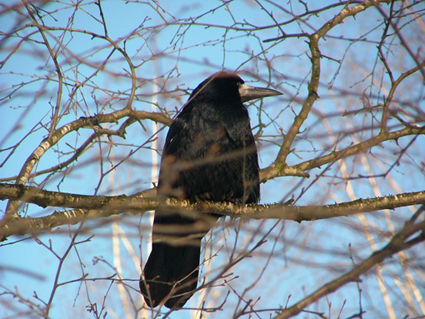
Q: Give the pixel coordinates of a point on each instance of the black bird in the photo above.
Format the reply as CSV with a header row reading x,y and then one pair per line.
x,y
209,154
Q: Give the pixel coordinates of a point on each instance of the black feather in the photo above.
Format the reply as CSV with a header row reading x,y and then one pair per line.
x,y
209,154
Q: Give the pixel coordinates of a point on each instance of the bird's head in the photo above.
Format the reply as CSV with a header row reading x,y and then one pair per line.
x,y
229,85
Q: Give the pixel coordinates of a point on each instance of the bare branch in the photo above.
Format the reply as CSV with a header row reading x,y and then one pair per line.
x,y
400,241
105,206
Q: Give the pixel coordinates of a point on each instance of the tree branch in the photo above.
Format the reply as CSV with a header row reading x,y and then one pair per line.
x,y
58,134
92,207
398,243
279,164
278,169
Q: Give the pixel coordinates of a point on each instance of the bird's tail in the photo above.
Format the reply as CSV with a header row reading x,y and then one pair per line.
x,y
171,274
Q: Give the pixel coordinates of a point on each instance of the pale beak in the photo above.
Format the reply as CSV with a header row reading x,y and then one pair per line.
x,y
249,93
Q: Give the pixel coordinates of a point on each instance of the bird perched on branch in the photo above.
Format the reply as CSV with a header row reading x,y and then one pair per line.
x,y
209,154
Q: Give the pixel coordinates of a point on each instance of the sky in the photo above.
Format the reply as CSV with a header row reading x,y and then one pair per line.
x,y
183,58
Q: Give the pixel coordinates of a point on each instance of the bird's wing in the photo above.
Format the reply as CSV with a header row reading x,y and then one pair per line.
x,y
191,137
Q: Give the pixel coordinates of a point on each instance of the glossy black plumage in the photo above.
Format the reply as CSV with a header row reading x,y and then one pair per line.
x,y
209,154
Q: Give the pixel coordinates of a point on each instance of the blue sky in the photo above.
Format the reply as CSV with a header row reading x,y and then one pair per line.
x,y
305,255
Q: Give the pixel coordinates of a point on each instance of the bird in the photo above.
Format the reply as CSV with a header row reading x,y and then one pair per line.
x,y
209,155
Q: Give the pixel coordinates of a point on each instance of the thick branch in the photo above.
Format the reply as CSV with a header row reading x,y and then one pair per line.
x,y
398,243
280,163
278,169
58,134
92,207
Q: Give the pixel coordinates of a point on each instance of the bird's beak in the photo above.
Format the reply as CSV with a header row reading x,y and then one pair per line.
x,y
249,93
